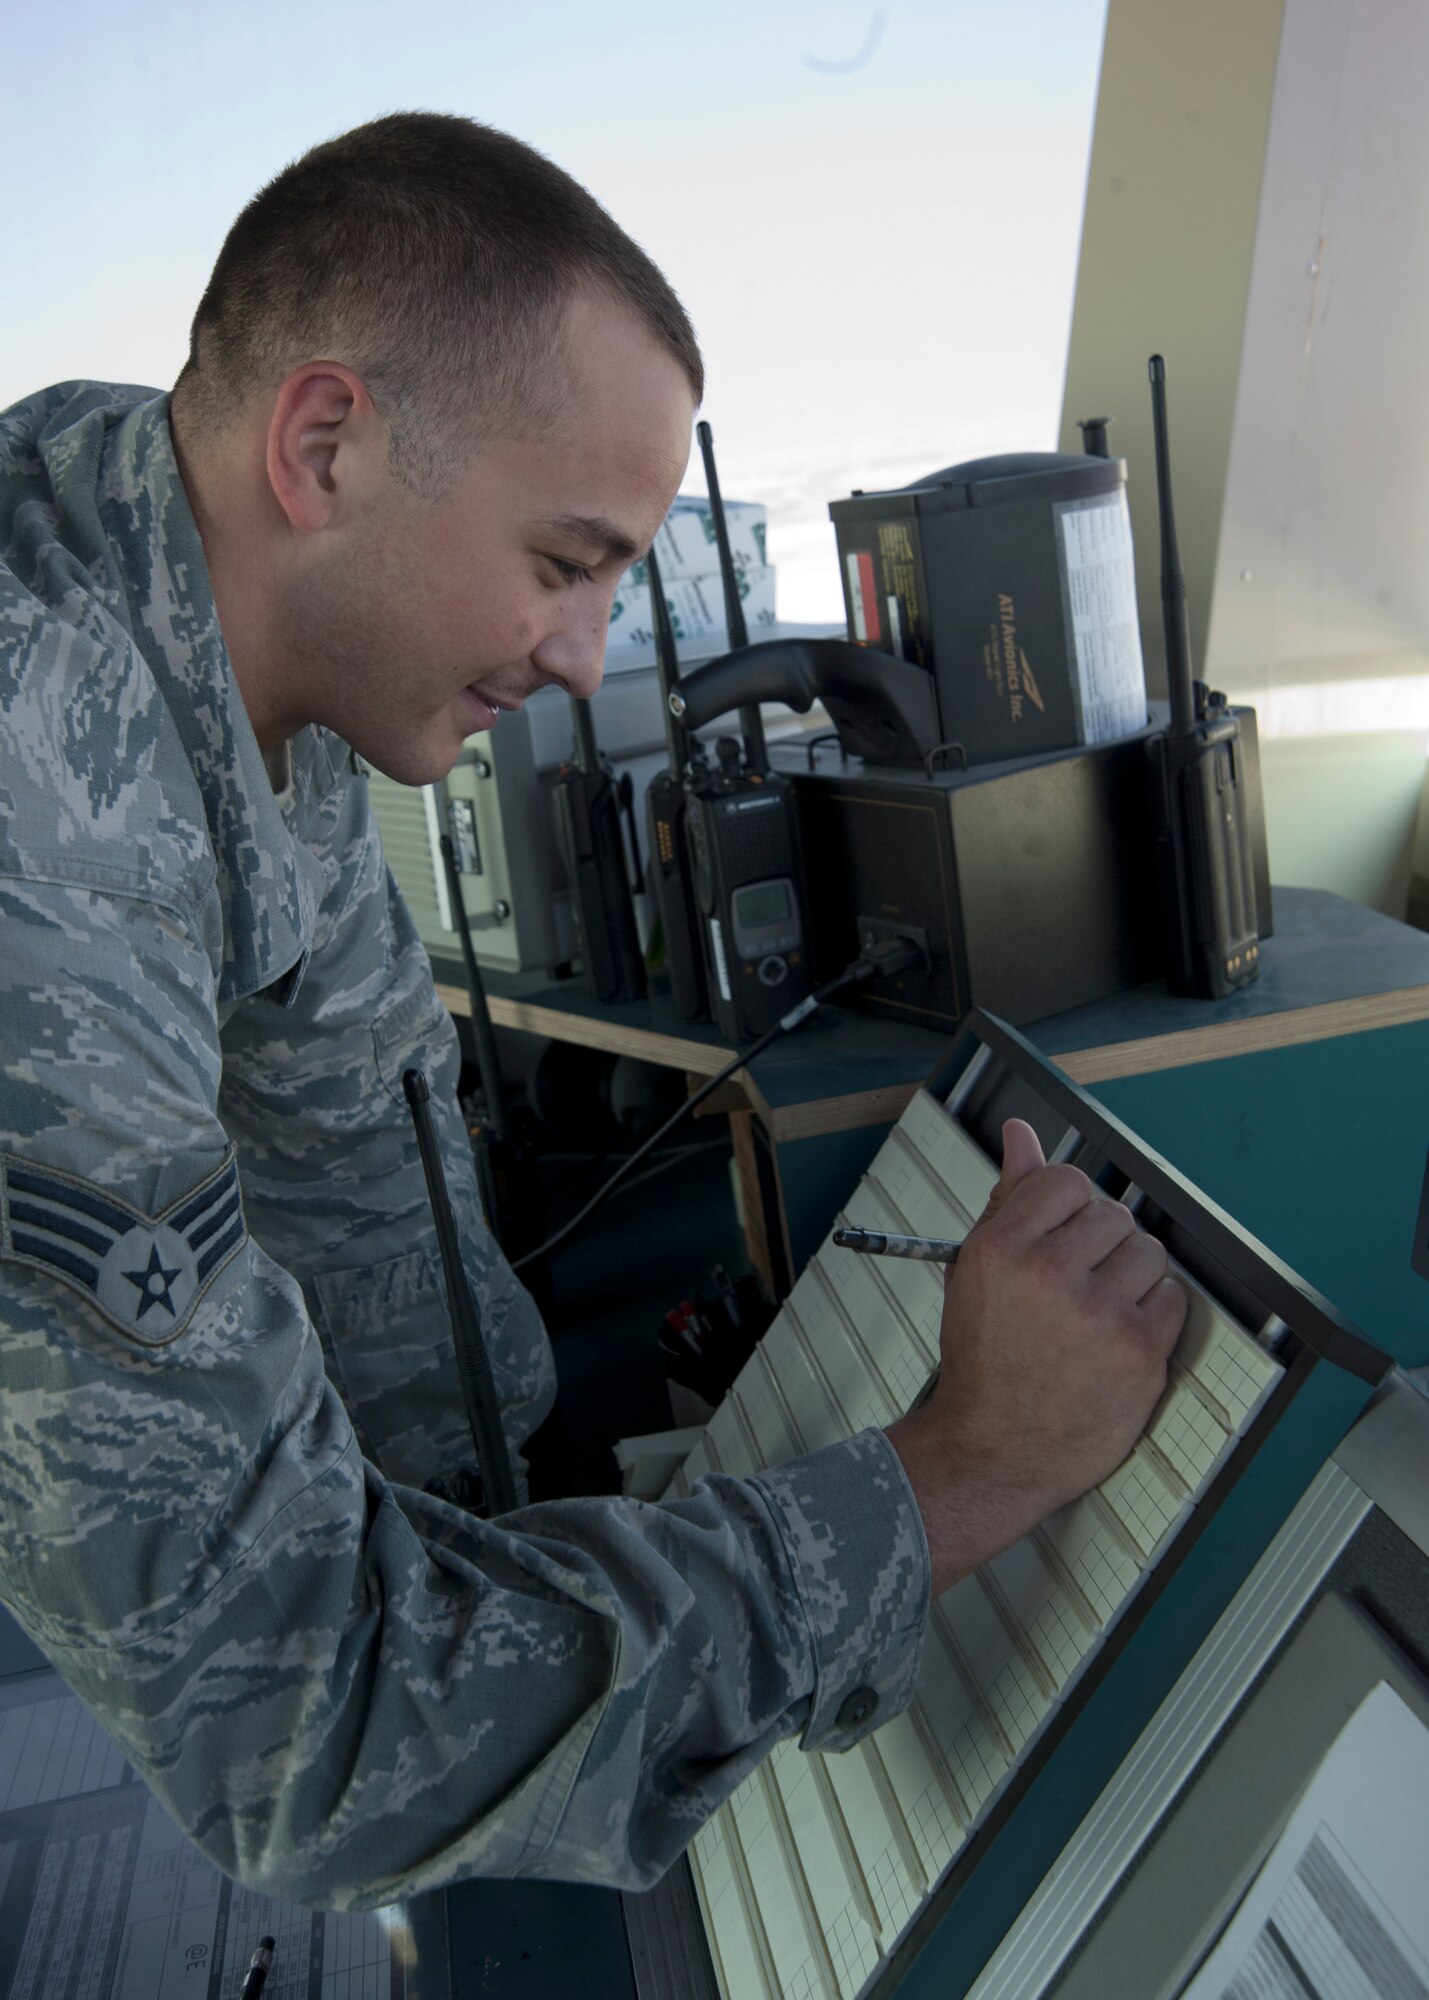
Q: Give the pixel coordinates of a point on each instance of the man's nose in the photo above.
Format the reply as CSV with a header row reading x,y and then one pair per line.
x,y
575,656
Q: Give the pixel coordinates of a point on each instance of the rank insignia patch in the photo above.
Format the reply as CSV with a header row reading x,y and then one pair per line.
x,y
145,1273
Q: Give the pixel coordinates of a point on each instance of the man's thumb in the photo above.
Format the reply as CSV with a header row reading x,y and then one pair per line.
x,y
1021,1155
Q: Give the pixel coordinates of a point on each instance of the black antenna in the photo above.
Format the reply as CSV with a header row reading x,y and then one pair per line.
x,y
1173,584
473,1362
666,808
751,722
667,666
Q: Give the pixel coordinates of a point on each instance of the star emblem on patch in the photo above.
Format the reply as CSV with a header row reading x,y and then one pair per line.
x,y
153,1284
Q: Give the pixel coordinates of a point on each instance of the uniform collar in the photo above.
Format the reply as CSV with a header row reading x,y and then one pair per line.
x,y
270,884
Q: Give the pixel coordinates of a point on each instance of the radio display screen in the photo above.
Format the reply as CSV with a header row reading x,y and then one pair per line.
x,y
760,904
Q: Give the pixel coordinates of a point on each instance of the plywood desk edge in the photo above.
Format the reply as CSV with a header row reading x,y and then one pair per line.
x,y
883,1105
614,1036
1259,1032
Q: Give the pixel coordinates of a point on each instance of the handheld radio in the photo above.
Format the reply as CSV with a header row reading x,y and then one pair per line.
x,y
670,869
589,799
744,851
1203,847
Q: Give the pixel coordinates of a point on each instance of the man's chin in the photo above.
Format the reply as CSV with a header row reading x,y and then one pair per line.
x,y
410,763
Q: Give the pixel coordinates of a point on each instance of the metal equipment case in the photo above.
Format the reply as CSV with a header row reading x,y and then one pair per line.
x,y
1031,882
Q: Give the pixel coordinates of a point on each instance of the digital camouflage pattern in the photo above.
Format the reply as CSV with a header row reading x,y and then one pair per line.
x,y
225,1368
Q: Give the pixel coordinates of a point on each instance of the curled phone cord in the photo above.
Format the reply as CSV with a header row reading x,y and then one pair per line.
x,y
893,956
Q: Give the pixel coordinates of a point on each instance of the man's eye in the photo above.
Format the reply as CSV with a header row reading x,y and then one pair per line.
x,y
568,572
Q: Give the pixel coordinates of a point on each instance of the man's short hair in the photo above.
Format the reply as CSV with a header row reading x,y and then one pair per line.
x,y
433,256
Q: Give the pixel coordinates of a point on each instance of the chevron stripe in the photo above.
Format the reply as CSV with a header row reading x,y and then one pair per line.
x,y
200,1203
69,1194
51,1253
135,1268
60,1223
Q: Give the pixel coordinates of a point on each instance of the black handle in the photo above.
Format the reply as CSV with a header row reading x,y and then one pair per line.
x,y
884,709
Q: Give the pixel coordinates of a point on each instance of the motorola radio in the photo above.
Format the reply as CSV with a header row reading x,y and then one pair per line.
x,y
1205,866
744,850
589,800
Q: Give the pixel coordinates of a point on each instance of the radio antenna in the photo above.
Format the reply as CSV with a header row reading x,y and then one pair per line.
x,y
666,811
483,1407
751,722
1174,620
667,666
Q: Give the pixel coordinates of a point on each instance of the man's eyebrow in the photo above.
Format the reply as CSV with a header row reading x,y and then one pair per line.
x,y
593,531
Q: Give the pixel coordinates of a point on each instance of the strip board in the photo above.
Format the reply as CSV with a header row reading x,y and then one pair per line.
x,y
816,1865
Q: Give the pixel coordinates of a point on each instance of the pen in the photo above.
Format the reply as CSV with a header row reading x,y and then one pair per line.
x,y
878,1243
258,1970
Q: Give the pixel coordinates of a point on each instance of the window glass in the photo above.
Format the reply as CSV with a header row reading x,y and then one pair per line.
x,y
871,211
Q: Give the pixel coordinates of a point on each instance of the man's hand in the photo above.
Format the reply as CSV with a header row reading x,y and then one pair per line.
x,y
1058,1321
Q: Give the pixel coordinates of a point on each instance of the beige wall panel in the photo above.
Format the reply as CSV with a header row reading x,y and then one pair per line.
x,y
1258,209
1173,191
1320,611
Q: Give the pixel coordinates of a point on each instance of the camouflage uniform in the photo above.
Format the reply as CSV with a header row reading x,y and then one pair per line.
x,y
225,1370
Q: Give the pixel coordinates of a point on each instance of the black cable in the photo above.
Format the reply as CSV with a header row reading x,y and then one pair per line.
x,y
892,957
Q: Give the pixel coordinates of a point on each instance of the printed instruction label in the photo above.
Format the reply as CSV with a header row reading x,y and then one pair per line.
x,y
1099,594
862,597
900,583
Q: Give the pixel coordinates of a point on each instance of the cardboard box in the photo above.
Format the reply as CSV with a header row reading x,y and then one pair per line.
x,y
685,545
696,611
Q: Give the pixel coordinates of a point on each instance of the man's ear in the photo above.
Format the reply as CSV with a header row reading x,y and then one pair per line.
x,y
325,443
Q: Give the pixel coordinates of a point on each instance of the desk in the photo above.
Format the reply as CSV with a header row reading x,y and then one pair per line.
x,y
813,1109
1332,968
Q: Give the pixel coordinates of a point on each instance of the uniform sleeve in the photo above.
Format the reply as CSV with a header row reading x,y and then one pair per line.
x,y
342,1689
333,1185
